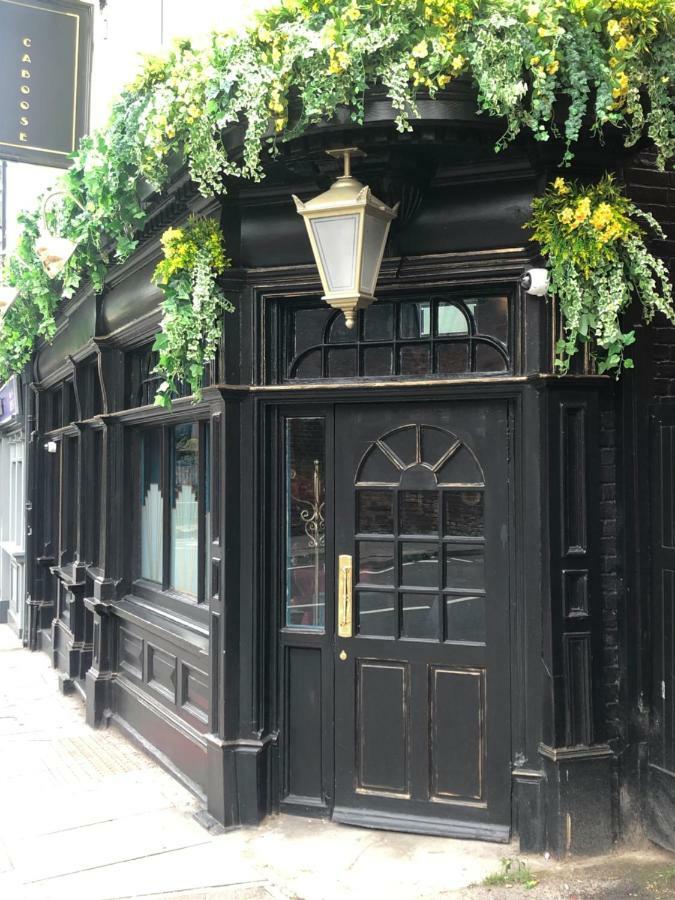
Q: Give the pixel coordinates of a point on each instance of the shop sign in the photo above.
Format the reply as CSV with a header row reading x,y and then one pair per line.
x,y
45,67
10,401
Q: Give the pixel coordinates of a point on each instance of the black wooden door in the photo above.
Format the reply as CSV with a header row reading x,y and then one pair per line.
x,y
661,781
422,723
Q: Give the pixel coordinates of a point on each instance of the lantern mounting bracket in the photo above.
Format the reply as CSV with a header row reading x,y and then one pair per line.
x,y
346,153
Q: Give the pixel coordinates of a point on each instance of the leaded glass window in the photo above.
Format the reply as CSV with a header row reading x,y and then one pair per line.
x,y
435,336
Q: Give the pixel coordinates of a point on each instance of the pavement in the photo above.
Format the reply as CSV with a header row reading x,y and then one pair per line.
x,y
87,814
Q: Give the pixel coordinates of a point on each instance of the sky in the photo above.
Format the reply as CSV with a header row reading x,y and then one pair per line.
x,y
125,30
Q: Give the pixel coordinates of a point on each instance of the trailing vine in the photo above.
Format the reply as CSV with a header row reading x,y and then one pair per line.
x,y
193,304
594,240
546,67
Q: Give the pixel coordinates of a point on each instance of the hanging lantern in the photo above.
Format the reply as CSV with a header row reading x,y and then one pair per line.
x,y
53,251
348,229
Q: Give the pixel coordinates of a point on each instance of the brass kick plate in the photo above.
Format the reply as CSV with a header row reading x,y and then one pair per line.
x,y
344,596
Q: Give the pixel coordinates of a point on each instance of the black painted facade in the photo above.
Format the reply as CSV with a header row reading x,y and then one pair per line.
x,y
513,698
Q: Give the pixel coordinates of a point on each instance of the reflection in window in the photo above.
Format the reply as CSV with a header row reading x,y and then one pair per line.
x,y
376,614
305,523
434,336
184,524
151,506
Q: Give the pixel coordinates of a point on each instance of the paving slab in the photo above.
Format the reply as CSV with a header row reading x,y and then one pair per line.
x,y
87,814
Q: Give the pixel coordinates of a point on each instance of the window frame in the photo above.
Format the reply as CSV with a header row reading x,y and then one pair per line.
x,y
282,369
164,595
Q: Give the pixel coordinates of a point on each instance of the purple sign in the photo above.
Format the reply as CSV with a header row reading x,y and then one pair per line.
x,y
9,401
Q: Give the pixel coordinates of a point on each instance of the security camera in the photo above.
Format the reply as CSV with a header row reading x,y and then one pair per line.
x,y
535,282
51,447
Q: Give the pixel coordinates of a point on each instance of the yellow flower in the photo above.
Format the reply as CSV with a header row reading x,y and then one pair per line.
x,y
458,62
265,36
582,212
613,27
624,42
560,186
602,216
566,215
352,13
419,51
553,67
535,60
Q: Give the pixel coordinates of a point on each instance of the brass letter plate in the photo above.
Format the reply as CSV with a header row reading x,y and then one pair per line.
x,y
344,596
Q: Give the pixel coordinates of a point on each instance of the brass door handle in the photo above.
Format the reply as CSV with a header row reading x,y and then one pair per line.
x,y
345,614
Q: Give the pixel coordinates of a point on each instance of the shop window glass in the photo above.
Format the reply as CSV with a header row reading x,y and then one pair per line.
x,y
151,506
183,525
305,523
175,508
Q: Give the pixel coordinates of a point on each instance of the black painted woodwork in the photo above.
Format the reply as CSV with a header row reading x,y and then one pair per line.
x,y
660,806
241,708
421,716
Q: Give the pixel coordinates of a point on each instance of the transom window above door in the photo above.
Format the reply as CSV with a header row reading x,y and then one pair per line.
x,y
432,336
420,539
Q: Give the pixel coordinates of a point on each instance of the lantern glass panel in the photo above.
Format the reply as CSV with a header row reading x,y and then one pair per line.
x,y
374,237
336,239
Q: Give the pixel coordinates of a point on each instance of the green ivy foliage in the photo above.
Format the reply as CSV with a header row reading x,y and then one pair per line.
x,y
193,306
594,240
601,63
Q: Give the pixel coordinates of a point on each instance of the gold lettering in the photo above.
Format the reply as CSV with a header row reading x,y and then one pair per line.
x,y
25,89
26,58
27,42
25,73
23,137
23,120
24,104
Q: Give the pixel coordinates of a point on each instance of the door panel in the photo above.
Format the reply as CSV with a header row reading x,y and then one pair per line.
x,y
661,779
421,686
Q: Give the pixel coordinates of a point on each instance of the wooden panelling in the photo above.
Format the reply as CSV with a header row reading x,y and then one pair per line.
x,y
194,692
457,720
161,671
303,716
574,478
382,724
130,653
667,468
579,705
575,593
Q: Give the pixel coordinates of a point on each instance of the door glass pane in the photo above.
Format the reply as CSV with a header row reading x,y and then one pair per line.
x,y
376,613
418,512
465,567
375,512
420,616
465,618
419,564
184,527
305,523
376,562
207,513
151,506
463,513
